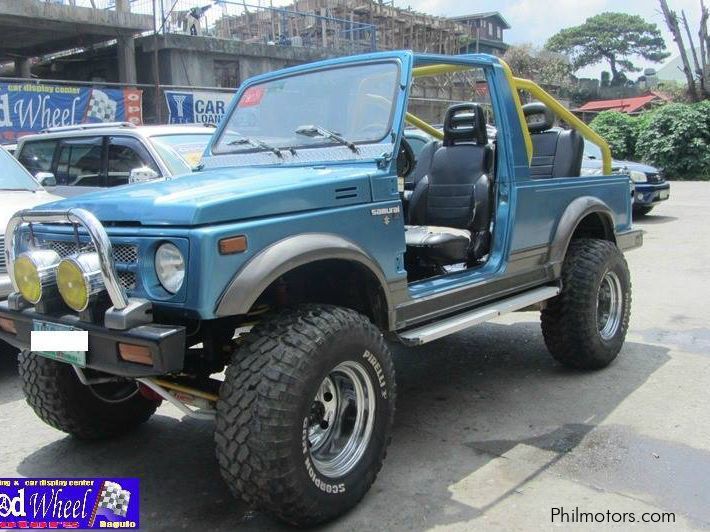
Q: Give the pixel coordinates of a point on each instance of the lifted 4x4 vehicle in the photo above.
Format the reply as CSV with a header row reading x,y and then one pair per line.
x,y
288,259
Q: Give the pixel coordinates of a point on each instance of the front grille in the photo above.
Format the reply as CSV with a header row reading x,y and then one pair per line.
x,y
122,253
654,178
127,280
3,266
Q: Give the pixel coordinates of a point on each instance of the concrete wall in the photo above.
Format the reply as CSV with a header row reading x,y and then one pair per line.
x,y
189,60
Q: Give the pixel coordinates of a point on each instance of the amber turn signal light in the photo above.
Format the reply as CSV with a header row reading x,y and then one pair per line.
x,y
139,354
8,326
233,244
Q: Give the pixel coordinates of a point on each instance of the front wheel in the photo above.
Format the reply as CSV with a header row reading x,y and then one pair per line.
x,y
99,411
585,326
305,413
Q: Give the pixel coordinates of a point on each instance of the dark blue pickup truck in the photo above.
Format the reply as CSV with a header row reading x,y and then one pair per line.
x,y
650,187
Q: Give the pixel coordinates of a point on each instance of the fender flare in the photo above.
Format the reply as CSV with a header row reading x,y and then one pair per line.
x,y
284,256
575,212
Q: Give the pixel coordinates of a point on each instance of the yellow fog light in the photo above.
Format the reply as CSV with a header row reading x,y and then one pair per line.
x,y
35,273
79,279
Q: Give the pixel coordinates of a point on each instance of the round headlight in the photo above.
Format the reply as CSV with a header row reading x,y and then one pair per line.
x,y
638,177
78,279
170,267
34,272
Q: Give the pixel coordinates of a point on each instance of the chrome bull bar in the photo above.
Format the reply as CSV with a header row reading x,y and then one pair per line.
x,y
96,232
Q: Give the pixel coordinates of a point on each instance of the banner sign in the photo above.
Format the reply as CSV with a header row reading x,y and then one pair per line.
x,y
30,107
64,503
196,107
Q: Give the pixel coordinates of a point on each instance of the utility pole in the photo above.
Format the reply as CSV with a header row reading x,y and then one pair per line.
x,y
157,104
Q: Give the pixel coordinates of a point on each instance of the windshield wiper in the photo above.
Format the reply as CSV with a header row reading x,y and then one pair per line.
x,y
317,131
257,144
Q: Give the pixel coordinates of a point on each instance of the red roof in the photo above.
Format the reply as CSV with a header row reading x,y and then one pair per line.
x,y
625,105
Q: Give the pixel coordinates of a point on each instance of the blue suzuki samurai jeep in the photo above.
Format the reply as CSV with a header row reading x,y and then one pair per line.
x,y
260,290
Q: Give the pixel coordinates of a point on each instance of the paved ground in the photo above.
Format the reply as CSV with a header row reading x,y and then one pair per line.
x,y
491,434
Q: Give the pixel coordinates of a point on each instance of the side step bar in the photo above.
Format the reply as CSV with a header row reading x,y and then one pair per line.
x,y
439,329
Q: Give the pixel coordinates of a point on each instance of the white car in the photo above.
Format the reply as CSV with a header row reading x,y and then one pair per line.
x,y
18,190
73,160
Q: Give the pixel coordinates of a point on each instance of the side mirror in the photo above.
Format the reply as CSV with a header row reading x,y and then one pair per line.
x,y
46,179
142,174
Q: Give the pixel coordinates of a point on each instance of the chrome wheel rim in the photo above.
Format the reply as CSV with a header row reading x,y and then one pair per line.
x,y
341,419
609,305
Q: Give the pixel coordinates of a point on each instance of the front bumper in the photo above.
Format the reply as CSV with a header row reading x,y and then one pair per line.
x,y
651,194
166,343
5,285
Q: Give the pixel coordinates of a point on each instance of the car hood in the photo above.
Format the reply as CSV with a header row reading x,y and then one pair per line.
x,y
618,164
17,200
227,194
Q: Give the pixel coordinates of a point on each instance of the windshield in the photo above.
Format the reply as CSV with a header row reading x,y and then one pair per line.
x,y
592,151
182,152
13,176
355,102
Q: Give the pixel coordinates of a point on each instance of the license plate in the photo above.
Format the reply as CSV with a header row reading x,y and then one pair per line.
x,y
664,194
78,358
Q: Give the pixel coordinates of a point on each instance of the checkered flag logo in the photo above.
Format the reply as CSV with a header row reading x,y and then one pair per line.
x,y
114,498
101,107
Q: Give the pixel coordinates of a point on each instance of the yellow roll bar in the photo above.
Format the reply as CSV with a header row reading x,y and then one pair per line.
x,y
517,84
418,122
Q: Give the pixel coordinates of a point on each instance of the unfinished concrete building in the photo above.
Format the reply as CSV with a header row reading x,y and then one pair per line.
x,y
362,25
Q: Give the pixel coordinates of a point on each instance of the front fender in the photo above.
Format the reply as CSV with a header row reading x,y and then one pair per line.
x,y
285,255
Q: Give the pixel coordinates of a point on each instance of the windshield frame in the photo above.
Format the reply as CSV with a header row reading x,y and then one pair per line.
x,y
215,148
32,184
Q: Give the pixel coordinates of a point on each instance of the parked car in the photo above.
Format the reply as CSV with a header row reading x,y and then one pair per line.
x,y
293,229
651,188
77,159
19,191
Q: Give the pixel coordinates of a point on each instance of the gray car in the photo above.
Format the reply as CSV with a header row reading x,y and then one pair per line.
x,y
76,159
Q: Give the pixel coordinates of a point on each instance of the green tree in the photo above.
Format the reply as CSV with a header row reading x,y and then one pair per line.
x,y
543,66
676,137
610,37
619,130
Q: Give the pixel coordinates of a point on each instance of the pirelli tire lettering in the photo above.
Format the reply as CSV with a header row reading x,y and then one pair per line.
x,y
378,370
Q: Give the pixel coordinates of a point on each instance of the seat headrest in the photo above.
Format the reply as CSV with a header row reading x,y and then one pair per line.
x,y
465,123
538,117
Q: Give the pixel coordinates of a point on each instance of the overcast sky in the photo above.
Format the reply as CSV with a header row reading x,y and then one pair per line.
x,y
536,20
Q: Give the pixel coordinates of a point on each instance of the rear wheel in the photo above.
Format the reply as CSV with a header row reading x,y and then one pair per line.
x,y
305,413
55,393
585,326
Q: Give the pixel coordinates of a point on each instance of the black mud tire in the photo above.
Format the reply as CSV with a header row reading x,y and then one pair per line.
x,y
642,211
56,395
265,402
569,321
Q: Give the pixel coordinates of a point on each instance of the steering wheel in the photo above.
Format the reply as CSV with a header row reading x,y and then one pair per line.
x,y
405,159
